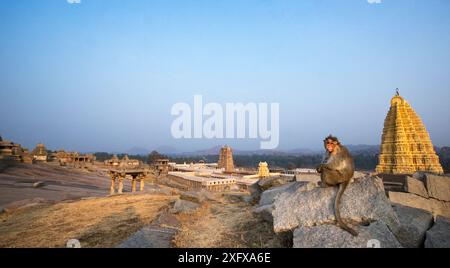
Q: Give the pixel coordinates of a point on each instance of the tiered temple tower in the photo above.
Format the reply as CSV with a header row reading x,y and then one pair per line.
x,y
406,145
226,159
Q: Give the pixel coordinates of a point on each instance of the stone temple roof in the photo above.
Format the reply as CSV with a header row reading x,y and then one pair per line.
x,y
406,145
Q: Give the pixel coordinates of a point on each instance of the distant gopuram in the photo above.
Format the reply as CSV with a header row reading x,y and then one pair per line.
x,y
406,145
226,159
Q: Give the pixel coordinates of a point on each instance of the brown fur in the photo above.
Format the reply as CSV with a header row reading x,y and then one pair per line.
x,y
337,168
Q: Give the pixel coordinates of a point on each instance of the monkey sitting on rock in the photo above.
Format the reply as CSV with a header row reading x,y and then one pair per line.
x,y
337,168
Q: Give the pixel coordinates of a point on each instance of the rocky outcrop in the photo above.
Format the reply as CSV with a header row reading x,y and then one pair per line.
x,y
376,234
416,187
438,187
439,235
273,182
414,223
255,193
431,205
197,196
257,189
364,201
183,206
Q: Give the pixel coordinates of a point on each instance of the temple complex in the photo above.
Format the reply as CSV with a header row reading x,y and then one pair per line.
x,y
226,159
406,145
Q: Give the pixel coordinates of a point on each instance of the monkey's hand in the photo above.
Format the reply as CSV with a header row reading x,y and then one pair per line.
x,y
319,168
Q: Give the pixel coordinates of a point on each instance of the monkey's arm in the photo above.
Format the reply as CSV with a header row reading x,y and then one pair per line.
x,y
337,165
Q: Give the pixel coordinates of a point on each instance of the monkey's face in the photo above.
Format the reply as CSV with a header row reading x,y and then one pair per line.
x,y
330,146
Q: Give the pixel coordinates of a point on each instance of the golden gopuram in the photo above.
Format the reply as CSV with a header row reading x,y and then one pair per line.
x,y
406,146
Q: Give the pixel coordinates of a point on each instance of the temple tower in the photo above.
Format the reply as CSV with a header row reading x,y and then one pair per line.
x,y
406,146
226,159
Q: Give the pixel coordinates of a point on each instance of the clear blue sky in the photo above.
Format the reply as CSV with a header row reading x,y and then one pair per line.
x,y
104,74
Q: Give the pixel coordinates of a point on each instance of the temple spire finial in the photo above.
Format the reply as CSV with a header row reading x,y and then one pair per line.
x,y
397,92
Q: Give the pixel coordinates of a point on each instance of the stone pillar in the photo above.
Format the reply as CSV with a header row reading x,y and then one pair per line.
x,y
120,191
133,184
142,183
113,185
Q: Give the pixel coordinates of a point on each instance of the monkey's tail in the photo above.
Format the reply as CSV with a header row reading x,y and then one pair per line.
x,y
341,191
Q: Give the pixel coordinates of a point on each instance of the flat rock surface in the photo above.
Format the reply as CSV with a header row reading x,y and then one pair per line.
x,y
331,236
436,207
416,186
183,206
159,234
438,187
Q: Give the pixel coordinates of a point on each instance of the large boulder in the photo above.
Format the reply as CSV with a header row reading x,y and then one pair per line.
x,y
364,201
434,206
439,235
268,197
414,225
38,184
438,187
376,234
415,186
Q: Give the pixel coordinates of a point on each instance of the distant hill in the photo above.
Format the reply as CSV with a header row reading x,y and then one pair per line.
x,y
363,148
137,151
370,149
167,150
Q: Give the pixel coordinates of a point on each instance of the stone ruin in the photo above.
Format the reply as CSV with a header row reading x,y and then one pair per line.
x,y
161,166
14,152
124,163
40,153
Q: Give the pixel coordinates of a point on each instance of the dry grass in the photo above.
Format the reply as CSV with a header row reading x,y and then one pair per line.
x,y
99,222
226,225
